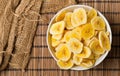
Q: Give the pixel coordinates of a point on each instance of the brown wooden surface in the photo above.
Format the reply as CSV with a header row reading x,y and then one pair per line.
x,y
42,63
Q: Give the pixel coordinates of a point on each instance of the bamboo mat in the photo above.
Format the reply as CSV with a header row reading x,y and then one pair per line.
x,y
42,63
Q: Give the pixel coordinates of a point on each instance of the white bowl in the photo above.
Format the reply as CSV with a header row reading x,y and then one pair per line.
x,y
71,8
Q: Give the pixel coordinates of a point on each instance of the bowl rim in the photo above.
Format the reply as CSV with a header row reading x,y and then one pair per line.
x,y
99,60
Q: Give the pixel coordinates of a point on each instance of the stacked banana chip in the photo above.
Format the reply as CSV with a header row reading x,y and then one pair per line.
x,y
79,38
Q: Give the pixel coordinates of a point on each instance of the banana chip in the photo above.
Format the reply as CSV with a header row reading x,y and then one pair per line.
x,y
87,63
60,16
57,36
86,52
55,42
98,23
65,64
96,47
62,52
91,14
79,17
67,19
104,41
57,28
75,45
88,31
77,60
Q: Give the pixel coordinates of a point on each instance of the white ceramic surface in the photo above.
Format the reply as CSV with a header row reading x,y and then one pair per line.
x,y
71,8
